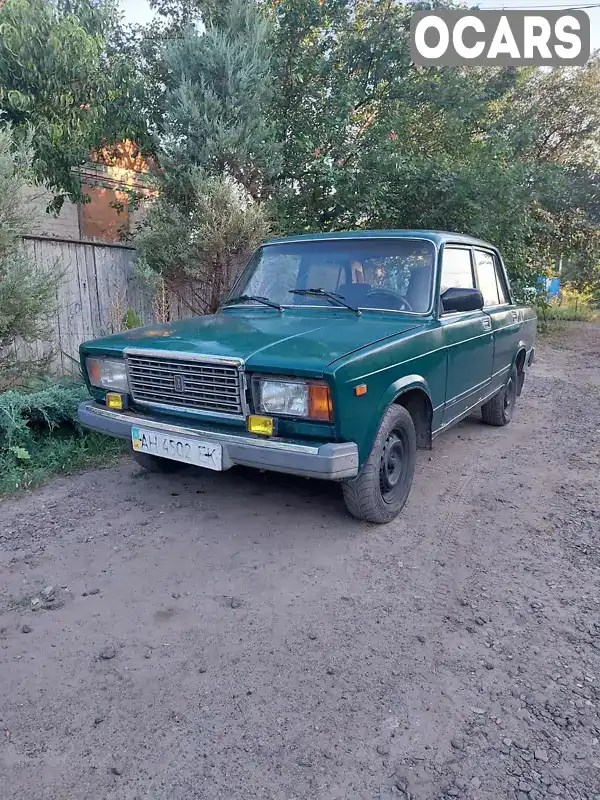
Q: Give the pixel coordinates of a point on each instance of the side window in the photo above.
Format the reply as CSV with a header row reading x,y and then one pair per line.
x,y
501,281
490,279
486,278
456,270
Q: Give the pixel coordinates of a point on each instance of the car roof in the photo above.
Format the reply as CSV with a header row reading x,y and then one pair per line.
x,y
438,237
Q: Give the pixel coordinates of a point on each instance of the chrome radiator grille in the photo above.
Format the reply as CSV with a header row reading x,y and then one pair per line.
x,y
197,385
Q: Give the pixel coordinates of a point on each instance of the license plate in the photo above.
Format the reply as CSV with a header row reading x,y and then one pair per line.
x,y
177,448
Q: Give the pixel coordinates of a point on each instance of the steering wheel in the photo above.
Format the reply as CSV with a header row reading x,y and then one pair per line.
x,y
388,294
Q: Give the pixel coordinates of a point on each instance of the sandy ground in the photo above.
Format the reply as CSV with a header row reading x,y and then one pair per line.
x,y
237,636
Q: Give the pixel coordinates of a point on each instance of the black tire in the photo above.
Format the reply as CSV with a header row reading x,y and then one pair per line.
x,y
379,493
500,409
155,463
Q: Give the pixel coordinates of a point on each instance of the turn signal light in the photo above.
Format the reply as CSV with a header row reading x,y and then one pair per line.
x,y
319,401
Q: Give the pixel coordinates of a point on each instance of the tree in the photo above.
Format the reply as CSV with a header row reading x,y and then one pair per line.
x,y
27,295
219,89
348,99
369,140
66,74
217,153
558,115
554,123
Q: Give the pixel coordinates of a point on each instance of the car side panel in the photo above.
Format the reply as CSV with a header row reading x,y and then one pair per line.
x,y
528,329
412,361
469,339
507,322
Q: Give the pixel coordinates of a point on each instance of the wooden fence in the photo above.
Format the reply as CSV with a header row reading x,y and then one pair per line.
x,y
96,288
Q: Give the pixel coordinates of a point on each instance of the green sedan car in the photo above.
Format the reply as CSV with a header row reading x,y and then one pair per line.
x,y
335,356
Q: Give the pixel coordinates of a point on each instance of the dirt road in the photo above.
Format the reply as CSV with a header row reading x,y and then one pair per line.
x,y
237,636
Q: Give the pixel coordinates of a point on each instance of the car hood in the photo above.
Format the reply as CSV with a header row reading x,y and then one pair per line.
x,y
302,343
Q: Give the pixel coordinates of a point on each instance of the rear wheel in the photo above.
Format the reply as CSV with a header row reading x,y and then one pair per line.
x,y
155,463
379,493
500,409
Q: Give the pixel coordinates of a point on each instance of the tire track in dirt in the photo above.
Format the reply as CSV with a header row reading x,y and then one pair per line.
x,y
452,509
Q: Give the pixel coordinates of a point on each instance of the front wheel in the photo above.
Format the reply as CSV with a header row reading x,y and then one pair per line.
x,y
500,409
379,493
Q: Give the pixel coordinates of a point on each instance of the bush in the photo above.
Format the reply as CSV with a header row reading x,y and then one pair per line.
x,y
198,248
573,304
27,415
27,294
40,436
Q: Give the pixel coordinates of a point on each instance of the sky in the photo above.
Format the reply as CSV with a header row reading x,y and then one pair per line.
x,y
139,11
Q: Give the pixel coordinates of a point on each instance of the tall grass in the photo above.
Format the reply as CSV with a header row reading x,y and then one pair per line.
x,y
573,313
60,453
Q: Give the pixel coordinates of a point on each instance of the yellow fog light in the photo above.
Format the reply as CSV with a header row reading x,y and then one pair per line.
x,y
114,400
262,425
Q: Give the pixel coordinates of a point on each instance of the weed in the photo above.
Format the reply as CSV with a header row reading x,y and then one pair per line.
x,y
581,313
40,436
60,453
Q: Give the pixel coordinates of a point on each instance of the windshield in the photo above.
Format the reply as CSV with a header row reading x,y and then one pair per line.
x,y
392,274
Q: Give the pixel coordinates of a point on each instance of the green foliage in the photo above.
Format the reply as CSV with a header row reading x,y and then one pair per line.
x,y
198,250
574,304
66,74
217,152
218,93
57,455
132,320
369,141
39,436
581,271
26,414
572,313
542,307
559,115
20,452
27,294
308,114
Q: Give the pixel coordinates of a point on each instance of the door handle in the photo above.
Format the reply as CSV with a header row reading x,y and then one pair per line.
x,y
487,324
515,316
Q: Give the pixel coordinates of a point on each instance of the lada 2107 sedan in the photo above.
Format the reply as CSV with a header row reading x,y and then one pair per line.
x,y
335,356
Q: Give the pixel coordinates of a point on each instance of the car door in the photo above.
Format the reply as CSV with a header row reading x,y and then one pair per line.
x,y
506,320
467,337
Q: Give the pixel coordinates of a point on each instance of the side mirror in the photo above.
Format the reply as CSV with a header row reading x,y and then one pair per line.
x,y
462,300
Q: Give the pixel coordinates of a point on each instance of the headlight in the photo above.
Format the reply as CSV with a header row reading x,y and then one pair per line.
x,y
294,399
107,373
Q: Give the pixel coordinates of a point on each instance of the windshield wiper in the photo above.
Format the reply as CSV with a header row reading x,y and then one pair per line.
x,y
243,297
333,297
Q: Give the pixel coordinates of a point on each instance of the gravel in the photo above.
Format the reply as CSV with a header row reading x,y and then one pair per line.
x,y
452,653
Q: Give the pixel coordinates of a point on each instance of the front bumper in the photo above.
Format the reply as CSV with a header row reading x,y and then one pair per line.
x,y
330,461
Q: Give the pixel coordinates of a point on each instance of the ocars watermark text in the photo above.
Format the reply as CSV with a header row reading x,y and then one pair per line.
x,y
510,38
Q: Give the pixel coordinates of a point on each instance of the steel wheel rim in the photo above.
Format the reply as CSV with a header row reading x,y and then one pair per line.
x,y
393,467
